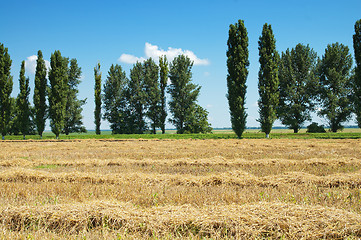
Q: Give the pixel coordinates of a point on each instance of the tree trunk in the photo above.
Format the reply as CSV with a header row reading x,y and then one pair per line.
x,y
3,137
154,130
23,136
295,130
57,137
267,135
41,136
163,130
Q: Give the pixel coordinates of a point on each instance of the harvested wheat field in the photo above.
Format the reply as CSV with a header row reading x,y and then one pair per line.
x,y
183,189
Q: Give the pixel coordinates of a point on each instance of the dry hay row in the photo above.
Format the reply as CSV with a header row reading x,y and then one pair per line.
x,y
208,162
237,178
262,219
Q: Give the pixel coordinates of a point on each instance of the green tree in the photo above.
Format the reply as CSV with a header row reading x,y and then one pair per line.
x,y
14,123
267,79
97,97
22,102
153,93
163,66
357,76
116,109
237,65
6,87
58,90
335,88
297,82
73,121
184,94
40,107
137,97
197,122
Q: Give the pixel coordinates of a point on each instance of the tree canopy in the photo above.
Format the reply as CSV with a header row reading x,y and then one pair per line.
x,y
6,87
335,88
267,79
297,82
237,65
58,90
39,98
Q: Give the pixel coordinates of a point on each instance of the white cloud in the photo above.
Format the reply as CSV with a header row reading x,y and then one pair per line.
x,y
30,64
130,59
155,52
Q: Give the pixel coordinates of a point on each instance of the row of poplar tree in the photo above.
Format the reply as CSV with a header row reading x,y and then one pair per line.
x,y
63,107
130,105
293,85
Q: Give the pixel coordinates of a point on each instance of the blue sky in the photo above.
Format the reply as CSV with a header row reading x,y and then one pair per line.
x,y
117,32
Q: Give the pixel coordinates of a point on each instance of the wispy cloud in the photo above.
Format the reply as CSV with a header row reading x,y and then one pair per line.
x,y
155,52
30,64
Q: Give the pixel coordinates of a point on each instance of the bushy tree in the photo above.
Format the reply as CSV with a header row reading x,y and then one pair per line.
x,y
297,82
183,94
153,93
315,128
73,121
40,107
335,88
267,79
6,87
163,66
357,75
237,65
116,106
97,97
58,90
22,102
197,122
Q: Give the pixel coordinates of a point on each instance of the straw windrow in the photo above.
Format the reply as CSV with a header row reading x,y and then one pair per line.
x,y
181,189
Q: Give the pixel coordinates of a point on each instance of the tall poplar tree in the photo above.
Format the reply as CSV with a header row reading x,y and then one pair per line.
x,y
297,86
267,79
335,88
97,97
153,93
58,90
163,66
6,87
357,77
39,98
73,121
22,102
116,106
237,65
137,97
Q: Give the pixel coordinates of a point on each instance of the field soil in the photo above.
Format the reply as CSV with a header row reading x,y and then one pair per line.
x,y
181,189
